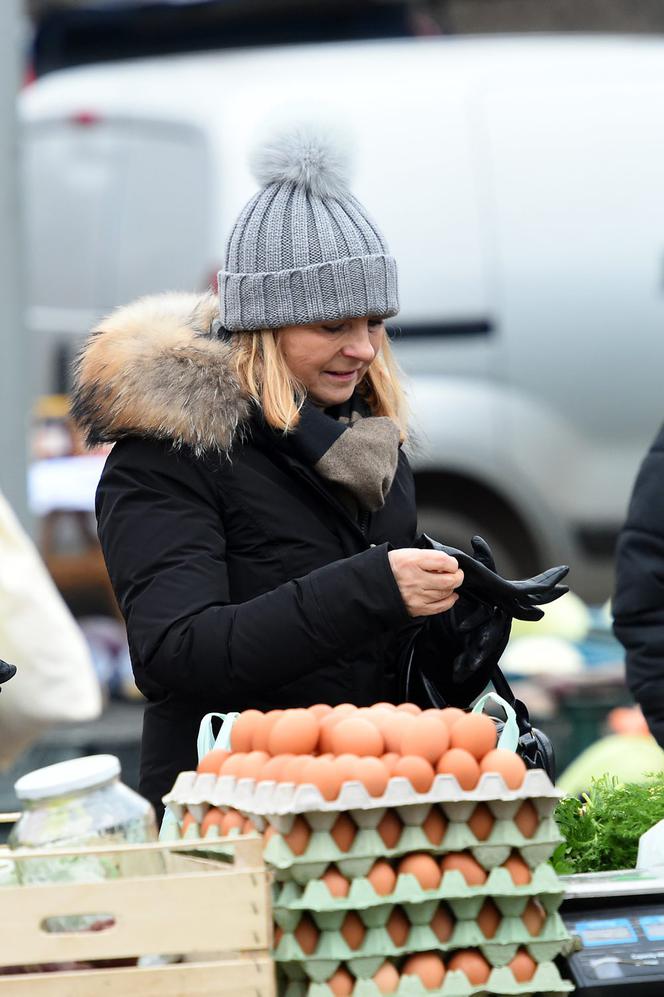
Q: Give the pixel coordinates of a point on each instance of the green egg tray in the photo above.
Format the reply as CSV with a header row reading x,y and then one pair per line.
x,y
368,845
546,981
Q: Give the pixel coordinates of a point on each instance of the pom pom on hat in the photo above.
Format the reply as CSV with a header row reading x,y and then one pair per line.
x,y
308,155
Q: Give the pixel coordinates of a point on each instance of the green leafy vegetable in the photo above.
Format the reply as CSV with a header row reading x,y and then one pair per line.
x,y
601,830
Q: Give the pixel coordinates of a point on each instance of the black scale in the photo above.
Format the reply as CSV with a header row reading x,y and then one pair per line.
x,y
617,922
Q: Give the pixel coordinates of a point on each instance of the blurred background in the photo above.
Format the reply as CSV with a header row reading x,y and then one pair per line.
x,y
513,151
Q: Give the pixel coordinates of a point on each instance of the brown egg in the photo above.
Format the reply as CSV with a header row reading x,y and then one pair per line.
x,y
253,764
423,867
450,715
382,877
386,978
295,732
213,818
344,709
373,775
346,768
325,732
518,869
394,731
306,935
233,764
435,825
409,708
273,768
534,917
357,736
278,934
398,927
343,832
232,819
213,761
341,983
472,964
320,710
428,966
292,768
418,771
488,918
353,930
527,819
383,706
337,884
442,923
505,763
263,729
462,765
481,822
324,775
523,966
390,828
242,731
475,733
268,834
428,738
187,821
390,760
297,838
469,868
248,827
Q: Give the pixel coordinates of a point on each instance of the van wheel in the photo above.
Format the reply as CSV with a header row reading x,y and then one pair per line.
x,y
466,513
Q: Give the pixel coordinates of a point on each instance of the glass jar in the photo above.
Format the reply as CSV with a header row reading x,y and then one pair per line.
x,y
81,802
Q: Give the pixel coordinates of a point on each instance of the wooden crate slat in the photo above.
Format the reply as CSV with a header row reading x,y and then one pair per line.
x,y
166,914
239,977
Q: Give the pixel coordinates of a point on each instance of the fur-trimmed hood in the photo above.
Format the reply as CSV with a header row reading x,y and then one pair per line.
x,y
155,368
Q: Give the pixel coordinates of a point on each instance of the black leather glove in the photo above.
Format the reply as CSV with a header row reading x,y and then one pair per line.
x,y
483,630
7,672
518,599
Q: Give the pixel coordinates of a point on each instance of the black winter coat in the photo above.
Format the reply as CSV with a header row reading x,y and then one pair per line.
x,y
638,603
243,581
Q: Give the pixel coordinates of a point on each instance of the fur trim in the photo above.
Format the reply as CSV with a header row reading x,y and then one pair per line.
x,y
153,369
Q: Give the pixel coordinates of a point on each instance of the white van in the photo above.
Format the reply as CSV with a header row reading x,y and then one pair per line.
x,y
520,184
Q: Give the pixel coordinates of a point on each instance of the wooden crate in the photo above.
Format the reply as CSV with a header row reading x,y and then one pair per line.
x,y
215,915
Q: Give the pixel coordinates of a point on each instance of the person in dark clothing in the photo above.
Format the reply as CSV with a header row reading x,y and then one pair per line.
x,y
638,601
257,512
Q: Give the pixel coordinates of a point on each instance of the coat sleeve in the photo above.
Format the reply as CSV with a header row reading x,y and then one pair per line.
x,y
638,602
162,535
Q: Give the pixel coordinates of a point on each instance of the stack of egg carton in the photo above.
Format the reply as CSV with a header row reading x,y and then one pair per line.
x,y
313,938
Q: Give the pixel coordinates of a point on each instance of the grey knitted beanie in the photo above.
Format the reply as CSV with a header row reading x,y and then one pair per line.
x,y
303,249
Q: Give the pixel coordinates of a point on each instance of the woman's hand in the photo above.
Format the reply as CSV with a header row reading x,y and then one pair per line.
x,y
427,579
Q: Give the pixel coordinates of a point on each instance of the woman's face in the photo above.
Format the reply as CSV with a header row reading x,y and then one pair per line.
x,y
331,358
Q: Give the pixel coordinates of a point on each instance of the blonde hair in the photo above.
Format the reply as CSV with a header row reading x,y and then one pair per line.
x,y
265,377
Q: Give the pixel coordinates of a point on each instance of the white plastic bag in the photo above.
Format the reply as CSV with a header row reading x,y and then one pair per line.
x,y
55,681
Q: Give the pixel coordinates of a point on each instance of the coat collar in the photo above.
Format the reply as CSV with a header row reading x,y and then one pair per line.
x,y
155,369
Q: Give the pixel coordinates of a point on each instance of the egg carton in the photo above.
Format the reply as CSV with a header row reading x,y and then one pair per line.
x,y
279,802
465,901
368,845
546,982
498,951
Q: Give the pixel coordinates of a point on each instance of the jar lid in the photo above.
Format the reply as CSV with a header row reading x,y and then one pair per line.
x,y
67,777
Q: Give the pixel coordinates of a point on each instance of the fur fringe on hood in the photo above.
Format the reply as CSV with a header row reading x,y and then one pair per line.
x,y
154,369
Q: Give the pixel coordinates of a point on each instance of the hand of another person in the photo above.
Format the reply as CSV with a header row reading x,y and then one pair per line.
x,y
427,579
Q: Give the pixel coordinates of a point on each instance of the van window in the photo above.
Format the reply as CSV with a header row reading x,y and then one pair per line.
x,y
114,209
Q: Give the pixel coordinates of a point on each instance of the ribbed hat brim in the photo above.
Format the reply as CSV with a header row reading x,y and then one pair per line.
x,y
351,287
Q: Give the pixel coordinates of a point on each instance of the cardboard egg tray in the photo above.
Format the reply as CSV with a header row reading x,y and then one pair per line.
x,y
368,845
280,803
499,950
546,981
419,905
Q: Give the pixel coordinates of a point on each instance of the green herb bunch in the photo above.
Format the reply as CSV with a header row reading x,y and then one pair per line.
x,y
601,830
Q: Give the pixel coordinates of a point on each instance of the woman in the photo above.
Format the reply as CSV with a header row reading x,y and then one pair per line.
x,y
257,515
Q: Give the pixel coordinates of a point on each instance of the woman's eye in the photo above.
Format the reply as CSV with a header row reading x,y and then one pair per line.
x,y
374,322
333,328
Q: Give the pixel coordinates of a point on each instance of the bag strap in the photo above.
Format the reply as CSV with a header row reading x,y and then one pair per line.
x,y
207,741
509,738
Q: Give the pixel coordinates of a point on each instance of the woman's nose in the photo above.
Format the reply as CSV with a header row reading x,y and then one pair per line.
x,y
359,346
